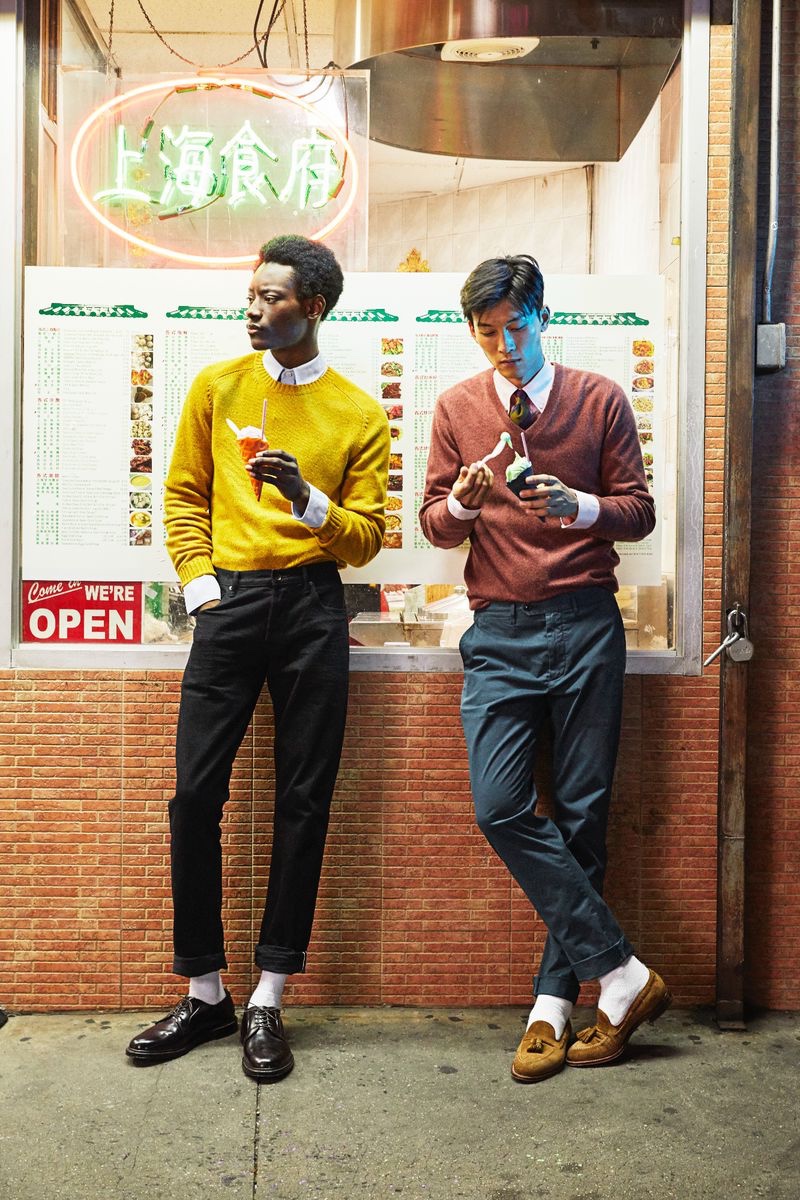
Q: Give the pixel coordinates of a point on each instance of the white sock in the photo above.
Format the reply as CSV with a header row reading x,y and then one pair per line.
x,y
620,987
552,1009
269,990
207,988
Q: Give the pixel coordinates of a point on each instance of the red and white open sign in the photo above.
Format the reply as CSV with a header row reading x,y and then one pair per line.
x,y
69,611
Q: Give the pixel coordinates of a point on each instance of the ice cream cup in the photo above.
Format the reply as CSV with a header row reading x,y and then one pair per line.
x,y
517,482
249,448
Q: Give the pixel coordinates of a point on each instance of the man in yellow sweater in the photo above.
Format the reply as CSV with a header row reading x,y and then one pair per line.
x,y
261,575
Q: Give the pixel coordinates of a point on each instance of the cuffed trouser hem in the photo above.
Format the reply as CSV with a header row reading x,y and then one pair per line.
x,y
280,959
200,965
556,985
599,964
588,968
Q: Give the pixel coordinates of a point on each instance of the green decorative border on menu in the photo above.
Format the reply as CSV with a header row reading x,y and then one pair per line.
x,y
59,309
451,316
362,314
441,316
596,318
193,312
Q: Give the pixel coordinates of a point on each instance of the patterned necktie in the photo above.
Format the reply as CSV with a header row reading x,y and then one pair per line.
x,y
522,410
287,376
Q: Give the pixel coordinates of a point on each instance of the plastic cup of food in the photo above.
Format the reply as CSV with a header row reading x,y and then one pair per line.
x,y
517,473
250,442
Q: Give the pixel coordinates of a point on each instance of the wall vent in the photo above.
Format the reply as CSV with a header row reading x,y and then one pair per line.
x,y
488,50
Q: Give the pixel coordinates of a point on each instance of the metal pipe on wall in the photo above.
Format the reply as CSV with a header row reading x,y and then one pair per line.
x,y
774,130
742,230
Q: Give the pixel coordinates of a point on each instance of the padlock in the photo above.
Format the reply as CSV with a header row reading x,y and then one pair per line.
x,y
742,649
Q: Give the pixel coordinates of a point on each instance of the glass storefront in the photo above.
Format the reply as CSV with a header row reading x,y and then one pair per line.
x,y
141,195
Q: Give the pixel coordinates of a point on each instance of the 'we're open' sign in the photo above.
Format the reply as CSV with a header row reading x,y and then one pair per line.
x,y
69,611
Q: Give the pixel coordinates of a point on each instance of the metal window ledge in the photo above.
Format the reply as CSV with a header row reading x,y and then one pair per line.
x,y
362,659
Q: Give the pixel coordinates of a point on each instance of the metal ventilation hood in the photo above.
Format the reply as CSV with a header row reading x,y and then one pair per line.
x,y
441,82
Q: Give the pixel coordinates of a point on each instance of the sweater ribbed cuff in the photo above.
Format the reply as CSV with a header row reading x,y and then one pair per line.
x,y
194,569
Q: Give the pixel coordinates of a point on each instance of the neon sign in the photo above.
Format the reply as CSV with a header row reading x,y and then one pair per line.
x,y
286,158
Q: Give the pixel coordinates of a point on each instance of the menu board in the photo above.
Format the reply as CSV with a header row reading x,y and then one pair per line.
x,y
110,355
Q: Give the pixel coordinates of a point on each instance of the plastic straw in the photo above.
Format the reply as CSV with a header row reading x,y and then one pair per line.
x,y
263,418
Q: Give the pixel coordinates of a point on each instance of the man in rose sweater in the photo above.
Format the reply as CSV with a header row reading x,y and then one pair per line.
x,y
546,644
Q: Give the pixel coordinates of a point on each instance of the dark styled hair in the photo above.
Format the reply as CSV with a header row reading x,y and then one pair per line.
x,y
515,277
316,271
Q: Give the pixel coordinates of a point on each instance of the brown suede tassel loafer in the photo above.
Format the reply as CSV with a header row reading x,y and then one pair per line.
x,y
603,1042
540,1054
266,1056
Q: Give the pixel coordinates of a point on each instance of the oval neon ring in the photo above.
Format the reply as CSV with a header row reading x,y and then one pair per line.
x,y
205,83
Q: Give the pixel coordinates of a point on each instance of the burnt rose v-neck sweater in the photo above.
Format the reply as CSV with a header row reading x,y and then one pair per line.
x,y
587,438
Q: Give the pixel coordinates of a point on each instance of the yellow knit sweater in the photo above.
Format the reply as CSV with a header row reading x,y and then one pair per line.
x,y
340,438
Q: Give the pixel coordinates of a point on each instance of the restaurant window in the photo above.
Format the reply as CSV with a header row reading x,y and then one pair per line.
x,y
117,322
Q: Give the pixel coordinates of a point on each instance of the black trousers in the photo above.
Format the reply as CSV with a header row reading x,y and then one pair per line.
x,y
288,629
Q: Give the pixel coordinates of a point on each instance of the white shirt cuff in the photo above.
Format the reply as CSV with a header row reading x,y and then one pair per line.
x,y
316,509
198,591
588,512
456,509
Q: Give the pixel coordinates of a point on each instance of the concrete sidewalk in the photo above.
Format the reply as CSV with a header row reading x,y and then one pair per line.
x,y
411,1103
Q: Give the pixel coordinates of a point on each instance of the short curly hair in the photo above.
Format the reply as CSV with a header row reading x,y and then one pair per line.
x,y
516,277
316,271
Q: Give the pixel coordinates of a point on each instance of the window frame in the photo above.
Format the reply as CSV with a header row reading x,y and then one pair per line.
x,y
685,659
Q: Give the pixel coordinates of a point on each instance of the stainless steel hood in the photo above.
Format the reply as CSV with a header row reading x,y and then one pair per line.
x,y
547,80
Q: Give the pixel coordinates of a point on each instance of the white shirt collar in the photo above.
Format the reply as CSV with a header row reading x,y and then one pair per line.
x,y
307,372
537,389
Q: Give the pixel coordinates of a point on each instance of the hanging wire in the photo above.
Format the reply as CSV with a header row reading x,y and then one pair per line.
x,y
262,40
112,65
305,33
259,49
183,57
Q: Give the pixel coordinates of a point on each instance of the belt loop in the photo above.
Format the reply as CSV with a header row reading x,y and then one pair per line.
x,y
234,584
304,572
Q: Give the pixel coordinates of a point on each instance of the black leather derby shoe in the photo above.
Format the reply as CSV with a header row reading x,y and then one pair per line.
x,y
190,1023
266,1054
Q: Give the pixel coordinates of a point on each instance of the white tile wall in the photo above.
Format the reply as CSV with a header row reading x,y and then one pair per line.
x,y
547,216
491,207
440,215
439,253
465,211
575,198
391,219
549,197
575,244
519,200
549,246
415,221
520,239
465,255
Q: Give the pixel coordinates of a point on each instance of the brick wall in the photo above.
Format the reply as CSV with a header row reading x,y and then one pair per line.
x,y
773,777
414,908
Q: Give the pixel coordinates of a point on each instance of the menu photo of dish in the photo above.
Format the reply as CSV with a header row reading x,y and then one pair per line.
x,y
391,394
643,381
393,537
140,494
391,386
